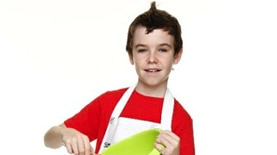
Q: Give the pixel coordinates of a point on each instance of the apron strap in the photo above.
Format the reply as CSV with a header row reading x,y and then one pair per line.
x,y
106,142
167,111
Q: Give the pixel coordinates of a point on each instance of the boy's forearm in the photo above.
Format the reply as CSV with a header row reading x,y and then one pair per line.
x,y
53,138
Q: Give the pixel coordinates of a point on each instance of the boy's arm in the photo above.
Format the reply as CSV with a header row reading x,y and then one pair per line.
x,y
53,137
74,141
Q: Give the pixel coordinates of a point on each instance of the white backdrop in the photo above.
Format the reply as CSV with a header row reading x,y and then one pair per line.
x,y
58,55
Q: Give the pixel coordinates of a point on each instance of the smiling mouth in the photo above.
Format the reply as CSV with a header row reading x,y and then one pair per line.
x,y
152,70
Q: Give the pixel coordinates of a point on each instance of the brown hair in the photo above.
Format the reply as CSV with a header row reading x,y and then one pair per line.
x,y
156,19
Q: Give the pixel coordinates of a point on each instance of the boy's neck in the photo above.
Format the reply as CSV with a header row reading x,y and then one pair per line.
x,y
154,91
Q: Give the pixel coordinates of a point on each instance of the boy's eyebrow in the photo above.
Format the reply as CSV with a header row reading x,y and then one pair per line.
x,y
166,44
138,45
163,44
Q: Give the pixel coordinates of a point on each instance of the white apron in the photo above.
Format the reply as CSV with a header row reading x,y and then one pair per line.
x,y
120,128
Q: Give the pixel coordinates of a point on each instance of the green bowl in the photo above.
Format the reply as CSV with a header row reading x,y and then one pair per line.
x,y
141,143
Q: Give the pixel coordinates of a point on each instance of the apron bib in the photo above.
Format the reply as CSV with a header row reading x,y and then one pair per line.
x,y
121,127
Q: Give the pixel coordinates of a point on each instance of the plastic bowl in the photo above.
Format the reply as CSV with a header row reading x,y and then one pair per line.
x,y
141,143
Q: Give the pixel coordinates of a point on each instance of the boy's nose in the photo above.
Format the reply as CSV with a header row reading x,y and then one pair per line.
x,y
152,57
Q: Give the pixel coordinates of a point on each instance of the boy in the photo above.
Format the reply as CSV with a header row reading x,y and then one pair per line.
x,y
154,45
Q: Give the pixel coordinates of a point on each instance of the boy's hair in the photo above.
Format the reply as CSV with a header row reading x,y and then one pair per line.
x,y
156,19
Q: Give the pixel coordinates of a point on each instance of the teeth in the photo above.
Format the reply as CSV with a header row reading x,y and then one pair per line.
x,y
152,70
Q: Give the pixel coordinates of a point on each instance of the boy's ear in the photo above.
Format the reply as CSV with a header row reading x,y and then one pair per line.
x,y
178,56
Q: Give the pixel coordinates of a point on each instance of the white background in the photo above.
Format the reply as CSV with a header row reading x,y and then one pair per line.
x,y
58,55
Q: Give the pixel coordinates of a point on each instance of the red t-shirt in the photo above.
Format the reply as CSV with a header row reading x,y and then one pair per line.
x,y
93,119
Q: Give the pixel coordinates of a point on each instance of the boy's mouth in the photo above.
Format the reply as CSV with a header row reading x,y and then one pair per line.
x,y
152,70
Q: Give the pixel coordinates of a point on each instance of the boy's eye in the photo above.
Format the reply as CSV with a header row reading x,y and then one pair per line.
x,y
141,50
163,50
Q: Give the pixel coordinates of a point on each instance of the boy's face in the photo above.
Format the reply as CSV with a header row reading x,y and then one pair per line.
x,y
153,56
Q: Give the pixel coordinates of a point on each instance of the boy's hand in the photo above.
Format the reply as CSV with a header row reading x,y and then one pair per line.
x,y
168,143
76,143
